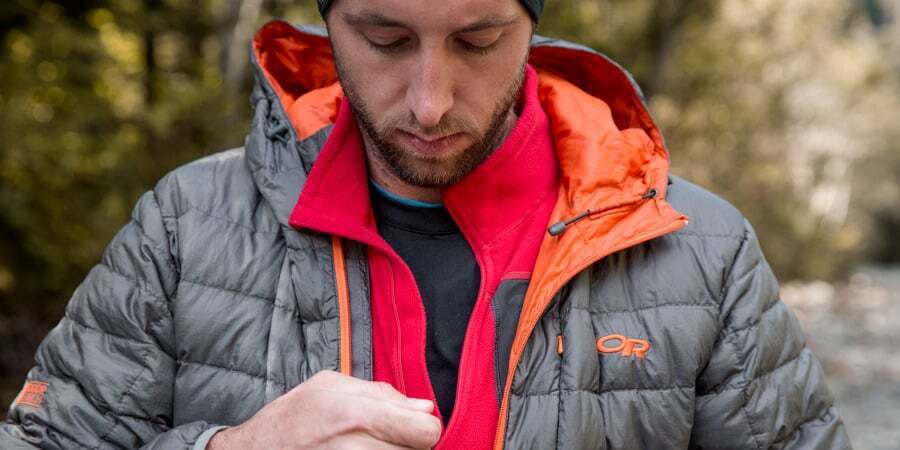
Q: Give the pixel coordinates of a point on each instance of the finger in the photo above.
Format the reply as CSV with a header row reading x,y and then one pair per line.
x,y
383,391
419,404
401,426
333,381
330,380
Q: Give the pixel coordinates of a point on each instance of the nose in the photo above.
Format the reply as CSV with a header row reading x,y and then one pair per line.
x,y
429,94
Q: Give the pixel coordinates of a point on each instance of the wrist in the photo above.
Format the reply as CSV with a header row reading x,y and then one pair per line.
x,y
225,438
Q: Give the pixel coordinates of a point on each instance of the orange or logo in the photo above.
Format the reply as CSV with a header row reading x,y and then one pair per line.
x,y
32,394
616,343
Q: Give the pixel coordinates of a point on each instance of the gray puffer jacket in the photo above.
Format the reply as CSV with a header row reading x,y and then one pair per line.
x,y
208,305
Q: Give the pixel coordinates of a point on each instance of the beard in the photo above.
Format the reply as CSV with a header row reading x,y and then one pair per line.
x,y
425,170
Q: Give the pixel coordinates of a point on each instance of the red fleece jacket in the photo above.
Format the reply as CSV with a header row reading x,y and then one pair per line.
x,y
502,209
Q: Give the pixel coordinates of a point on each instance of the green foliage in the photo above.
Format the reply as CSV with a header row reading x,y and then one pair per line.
x,y
98,100
91,121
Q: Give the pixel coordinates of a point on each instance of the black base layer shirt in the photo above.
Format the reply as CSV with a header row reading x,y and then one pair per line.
x,y
448,278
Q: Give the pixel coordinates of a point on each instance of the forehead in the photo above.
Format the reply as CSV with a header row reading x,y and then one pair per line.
x,y
430,15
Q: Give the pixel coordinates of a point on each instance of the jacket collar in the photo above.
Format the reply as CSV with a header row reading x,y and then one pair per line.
x,y
297,98
610,154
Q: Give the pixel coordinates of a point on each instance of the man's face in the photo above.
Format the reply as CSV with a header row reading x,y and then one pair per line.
x,y
432,83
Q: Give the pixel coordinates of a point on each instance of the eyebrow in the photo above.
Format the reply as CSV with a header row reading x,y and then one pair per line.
x,y
376,19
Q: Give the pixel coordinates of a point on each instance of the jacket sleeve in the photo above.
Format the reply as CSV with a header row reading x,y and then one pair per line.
x,y
107,369
762,388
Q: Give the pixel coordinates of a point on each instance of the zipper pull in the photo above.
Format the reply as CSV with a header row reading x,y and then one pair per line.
x,y
559,227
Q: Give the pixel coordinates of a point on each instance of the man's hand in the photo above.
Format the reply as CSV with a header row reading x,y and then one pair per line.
x,y
331,410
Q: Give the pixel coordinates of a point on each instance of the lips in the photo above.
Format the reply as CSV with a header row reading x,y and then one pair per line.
x,y
432,146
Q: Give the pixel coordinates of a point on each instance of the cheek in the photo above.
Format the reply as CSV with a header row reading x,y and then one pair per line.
x,y
379,86
375,83
486,82
482,94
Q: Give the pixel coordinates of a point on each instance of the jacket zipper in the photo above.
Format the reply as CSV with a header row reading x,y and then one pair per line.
x,y
343,298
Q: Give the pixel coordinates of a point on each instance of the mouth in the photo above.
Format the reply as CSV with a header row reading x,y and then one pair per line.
x,y
432,145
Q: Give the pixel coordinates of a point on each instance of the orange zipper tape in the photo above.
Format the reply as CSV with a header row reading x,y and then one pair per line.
x,y
343,297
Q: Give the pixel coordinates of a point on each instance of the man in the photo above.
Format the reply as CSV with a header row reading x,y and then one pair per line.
x,y
470,241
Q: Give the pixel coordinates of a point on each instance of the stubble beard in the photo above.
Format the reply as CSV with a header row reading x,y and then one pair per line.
x,y
428,171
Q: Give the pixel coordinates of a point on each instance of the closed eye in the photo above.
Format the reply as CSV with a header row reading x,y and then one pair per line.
x,y
481,41
389,47
477,49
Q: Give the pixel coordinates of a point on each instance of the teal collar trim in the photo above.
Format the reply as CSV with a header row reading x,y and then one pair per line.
x,y
402,200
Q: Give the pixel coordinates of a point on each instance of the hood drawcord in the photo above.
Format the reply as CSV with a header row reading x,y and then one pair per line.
x,y
278,130
559,228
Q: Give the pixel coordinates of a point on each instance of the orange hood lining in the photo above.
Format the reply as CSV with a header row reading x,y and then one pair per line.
x,y
297,62
300,69
591,102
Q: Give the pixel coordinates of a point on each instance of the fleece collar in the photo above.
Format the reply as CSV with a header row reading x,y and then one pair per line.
x,y
613,163
580,89
490,200
612,158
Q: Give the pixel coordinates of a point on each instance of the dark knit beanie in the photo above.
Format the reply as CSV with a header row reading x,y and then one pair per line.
x,y
534,7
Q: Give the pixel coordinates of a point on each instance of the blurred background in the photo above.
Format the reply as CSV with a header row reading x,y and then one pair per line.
x,y
788,109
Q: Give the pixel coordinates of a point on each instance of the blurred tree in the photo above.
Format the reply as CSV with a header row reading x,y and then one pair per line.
x,y
98,99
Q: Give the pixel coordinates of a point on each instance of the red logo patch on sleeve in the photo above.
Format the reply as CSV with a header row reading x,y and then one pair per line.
x,y
32,394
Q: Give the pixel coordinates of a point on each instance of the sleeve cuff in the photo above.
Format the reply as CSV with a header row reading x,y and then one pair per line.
x,y
203,439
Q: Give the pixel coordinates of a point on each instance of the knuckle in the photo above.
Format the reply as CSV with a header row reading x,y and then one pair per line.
x,y
422,432
432,432
417,430
383,387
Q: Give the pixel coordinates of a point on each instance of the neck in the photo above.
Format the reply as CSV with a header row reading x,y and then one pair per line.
x,y
385,177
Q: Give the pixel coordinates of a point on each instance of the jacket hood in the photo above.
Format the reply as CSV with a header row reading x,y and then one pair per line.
x,y
295,60
598,117
613,162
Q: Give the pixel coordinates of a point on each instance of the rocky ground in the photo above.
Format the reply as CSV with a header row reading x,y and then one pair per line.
x,y
854,329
